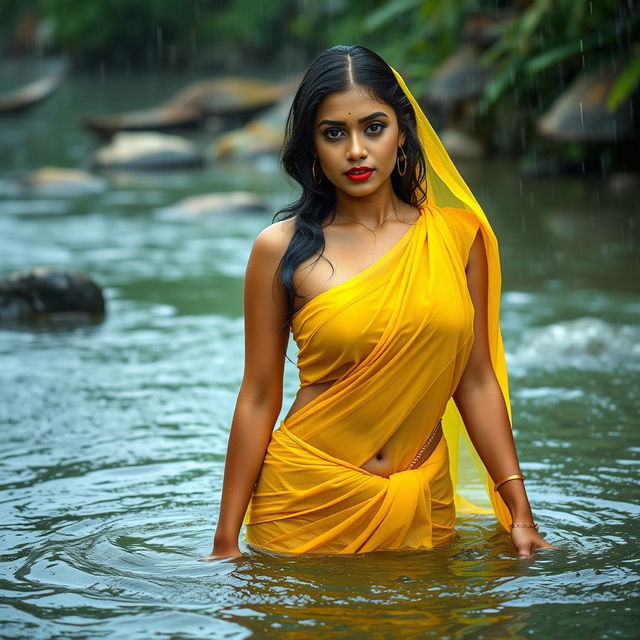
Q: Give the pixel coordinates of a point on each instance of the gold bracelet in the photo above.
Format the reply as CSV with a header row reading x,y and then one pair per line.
x,y
515,476
525,526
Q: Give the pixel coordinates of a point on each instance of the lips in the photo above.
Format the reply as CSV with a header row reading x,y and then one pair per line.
x,y
359,174
358,171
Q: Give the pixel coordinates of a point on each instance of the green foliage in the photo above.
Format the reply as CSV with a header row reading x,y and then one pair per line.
x,y
626,82
247,26
559,36
122,30
540,45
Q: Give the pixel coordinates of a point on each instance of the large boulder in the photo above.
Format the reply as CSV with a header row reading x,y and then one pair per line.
x,y
220,97
580,114
49,292
230,95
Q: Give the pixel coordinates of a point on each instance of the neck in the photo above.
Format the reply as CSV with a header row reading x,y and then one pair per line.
x,y
369,210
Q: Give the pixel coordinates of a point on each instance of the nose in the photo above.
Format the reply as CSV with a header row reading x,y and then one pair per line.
x,y
356,147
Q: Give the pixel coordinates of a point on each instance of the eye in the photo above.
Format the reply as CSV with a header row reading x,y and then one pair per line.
x,y
380,127
328,136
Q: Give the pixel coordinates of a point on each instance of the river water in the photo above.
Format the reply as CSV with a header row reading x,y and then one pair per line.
x,y
113,436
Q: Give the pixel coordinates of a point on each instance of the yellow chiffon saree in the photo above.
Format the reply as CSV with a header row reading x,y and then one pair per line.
x,y
393,341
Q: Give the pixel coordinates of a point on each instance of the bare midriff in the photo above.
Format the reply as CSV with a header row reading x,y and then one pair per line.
x,y
380,463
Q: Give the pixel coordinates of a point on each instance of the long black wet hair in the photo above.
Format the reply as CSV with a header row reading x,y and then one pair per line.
x,y
338,68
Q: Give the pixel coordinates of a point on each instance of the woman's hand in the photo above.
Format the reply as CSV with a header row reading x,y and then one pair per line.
x,y
227,550
526,541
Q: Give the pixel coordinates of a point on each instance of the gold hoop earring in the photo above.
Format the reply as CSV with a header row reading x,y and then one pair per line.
x,y
313,171
404,158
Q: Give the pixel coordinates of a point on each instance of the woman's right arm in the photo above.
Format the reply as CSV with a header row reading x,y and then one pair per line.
x,y
260,397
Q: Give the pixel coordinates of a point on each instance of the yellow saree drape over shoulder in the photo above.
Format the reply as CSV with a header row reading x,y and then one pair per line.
x,y
394,341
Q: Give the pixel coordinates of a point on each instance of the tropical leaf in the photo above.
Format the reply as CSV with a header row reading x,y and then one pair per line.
x,y
553,56
625,83
607,34
530,20
502,78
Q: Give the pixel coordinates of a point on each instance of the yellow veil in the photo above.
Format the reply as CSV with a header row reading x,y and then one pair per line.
x,y
445,187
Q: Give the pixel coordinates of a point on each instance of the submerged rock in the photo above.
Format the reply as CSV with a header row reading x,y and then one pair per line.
x,y
49,292
54,181
211,204
148,151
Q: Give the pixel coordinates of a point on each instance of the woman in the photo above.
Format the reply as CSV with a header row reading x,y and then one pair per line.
x,y
387,273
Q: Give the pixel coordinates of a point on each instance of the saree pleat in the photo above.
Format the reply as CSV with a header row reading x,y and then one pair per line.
x,y
366,512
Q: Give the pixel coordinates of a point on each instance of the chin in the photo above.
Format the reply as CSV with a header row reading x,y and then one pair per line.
x,y
361,190
369,186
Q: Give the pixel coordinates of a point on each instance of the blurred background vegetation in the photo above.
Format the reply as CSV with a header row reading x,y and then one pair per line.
x,y
491,68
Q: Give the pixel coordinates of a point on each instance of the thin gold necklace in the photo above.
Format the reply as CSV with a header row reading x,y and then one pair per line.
x,y
375,237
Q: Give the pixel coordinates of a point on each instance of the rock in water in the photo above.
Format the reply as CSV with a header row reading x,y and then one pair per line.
x,y
263,135
256,138
211,204
163,118
461,145
220,97
46,292
581,113
230,95
28,95
54,181
147,151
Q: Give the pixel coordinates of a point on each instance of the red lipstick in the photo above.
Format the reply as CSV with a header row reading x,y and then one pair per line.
x,y
359,174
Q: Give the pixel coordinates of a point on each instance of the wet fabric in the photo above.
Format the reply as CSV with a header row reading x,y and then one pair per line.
x,y
393,341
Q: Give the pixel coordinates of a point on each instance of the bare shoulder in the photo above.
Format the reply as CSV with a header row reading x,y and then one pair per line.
x,y
272,242
267,252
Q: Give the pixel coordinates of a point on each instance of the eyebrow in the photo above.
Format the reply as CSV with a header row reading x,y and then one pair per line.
x,y
377,114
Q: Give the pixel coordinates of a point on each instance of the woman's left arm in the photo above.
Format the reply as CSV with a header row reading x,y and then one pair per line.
x,y
482,406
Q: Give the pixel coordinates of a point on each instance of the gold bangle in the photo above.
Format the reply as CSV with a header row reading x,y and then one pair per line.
x,y
515,476
525,526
